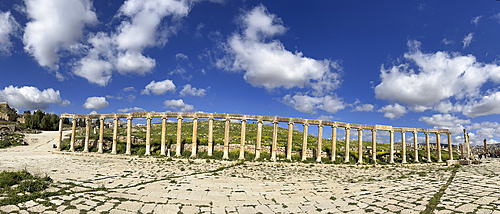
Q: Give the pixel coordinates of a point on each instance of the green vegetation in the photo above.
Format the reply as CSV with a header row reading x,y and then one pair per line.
x,y
435,200
11,139
41,120
21,185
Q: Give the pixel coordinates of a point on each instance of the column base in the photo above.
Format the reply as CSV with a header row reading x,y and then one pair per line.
x,y
403,162
113,152
100,151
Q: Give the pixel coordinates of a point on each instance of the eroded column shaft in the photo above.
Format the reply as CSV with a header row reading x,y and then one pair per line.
x,y
73,133
304,142
148,136
242,143
360,145
334,143
275,140
59,139
210,136
163,135
450,147
87,135
179,136
129,136
289,145
427,147
415,146
115,135
438,144
374,146
195,136
226,139
403,147
347,136
391,142
258,147
101,135
320,140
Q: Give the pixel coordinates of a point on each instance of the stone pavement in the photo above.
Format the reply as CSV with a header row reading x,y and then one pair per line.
x,y
103,183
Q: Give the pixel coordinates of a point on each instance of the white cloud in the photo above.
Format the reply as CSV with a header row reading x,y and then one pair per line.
x,y
127,89
364,107
322,117
8,27
181,56
487,105
178,105
54,26
141,27
134,109
308,104
475,20
95,103
187,90
393,111
436,78
134,62
447,42
445,121
269,64
29,97
467,40
159,88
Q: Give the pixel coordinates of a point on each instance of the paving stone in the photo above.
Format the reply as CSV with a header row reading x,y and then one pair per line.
x,y
132,206
9,208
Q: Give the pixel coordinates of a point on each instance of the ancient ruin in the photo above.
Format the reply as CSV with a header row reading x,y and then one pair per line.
x,y
260,119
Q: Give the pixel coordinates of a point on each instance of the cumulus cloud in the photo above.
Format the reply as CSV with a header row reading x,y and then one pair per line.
x,y
29,97
309,104
487,105
134,109
267,63
141,27
467,40
393,111
435,79
187,90
8,27
447,42
445,121
95,103
178,105
54,26
159,88
475,20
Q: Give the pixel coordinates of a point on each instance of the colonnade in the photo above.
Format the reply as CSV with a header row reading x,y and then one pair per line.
x,y
260,119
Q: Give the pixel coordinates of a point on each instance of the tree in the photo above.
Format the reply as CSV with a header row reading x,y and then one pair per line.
x,y
54,120
46,124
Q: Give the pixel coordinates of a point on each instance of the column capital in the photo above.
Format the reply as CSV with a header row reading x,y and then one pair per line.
x,y
244,120
211,118
259,121
130,118
426,133
374,130
391,131
290,122
347,128
448,133
335,126
196,118
149,117
321,125
305,124
438,133
360,129
164,117
179,117
227,119
102,118
415,132
403,130
275,122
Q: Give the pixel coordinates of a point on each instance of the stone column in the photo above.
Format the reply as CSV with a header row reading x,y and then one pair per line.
x,y
195,136
438,143
87,135
163,135
115,135
290,138
403,146
59,139
347,136
73,133
258,147
148,135
101,133
320,141
391,144
360,145
226,139
427,147
129,135
415,145
374,146
275,139
304,142
210,136
242,143
450,147
334,142
179,136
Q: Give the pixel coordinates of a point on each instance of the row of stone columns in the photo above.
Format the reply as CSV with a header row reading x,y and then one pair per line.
x,y
258,143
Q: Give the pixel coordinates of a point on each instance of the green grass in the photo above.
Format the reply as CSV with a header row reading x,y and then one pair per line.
x,y
17,140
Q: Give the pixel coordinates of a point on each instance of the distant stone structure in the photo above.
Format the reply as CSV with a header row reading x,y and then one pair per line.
x,y
260,119
10,114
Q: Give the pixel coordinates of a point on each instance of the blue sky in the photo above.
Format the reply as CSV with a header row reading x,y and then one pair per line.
x,y
400,63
